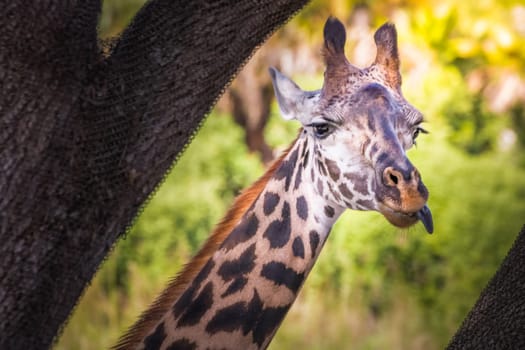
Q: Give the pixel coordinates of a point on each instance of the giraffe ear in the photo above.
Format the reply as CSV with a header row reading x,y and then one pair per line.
x,y
293,102
387,57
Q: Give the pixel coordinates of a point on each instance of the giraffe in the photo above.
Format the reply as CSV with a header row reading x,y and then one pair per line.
x,y
350,153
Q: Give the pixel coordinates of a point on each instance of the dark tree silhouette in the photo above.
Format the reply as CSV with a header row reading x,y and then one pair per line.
x,y
497,320
85,137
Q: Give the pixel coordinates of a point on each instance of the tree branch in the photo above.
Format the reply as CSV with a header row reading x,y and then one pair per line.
x,y
497,321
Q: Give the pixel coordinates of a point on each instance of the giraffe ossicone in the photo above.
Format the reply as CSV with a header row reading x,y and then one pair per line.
x,y
350,153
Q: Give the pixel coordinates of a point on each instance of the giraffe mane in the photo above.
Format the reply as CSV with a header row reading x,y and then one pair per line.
x,y
177,285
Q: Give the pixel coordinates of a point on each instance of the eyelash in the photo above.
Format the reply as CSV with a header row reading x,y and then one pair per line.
x,y
322,130
417,131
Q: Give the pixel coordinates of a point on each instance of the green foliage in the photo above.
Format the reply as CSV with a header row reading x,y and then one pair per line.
x,y
481,42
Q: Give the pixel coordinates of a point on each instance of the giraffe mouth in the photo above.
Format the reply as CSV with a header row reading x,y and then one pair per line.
x,y
403,219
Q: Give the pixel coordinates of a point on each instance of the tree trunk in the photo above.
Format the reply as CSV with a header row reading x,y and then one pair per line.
x,y
250,97
86,138
497,320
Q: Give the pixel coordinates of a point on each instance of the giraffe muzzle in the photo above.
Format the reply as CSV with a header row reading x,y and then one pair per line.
x,y
406,219
403,197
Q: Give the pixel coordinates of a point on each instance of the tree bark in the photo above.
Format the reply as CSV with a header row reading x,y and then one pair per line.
x,y
85,137
497,320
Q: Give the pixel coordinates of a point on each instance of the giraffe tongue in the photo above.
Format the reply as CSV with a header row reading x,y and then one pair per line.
x,y
425,216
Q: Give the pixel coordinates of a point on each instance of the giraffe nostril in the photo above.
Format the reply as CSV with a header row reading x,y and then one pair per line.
x,y
393,178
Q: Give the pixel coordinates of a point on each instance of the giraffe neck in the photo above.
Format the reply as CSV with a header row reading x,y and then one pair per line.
x,y
241,295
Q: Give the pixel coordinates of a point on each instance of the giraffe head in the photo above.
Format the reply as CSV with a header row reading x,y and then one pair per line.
x,y
359,127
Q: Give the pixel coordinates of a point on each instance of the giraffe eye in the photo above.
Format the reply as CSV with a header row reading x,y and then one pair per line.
x,y
322,130
416,133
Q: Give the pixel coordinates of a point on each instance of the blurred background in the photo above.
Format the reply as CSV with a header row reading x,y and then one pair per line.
x,y
374,286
